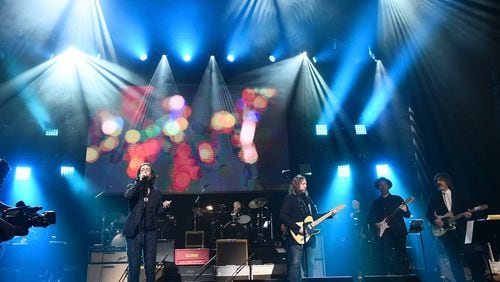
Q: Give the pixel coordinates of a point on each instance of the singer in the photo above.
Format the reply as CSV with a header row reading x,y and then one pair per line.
x,y
144,204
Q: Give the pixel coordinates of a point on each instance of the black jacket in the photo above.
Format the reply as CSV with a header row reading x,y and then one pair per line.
x,y
383,207
136,204
459,204
296,208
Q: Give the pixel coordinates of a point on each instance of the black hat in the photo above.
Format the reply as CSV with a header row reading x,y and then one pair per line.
x,y
382,179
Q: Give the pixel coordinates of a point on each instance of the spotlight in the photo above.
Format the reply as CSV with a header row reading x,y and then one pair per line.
x,y
314,60
186,58
344,171
51,130
67,170
230,58
304,54
272,58
143,57
360,129
23,173
321,129
382,170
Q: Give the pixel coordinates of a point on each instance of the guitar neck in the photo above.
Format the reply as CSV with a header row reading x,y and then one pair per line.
x,y
322,218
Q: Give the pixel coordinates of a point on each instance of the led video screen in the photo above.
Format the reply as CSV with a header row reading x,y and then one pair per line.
x,y
229,139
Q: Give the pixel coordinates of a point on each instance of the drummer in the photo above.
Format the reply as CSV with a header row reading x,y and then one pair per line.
x,y
236,210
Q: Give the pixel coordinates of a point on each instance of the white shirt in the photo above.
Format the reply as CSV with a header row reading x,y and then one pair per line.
x,y
447,199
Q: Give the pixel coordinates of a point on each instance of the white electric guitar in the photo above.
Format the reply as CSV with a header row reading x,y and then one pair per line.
x,y
384,224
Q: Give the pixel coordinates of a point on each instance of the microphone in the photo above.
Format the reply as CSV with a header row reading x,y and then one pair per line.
x,y
285,171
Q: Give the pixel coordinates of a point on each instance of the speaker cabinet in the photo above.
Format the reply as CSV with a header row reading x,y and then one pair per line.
x,y
232,252
107,272
175,273
194,239
391,278
108,257
165,251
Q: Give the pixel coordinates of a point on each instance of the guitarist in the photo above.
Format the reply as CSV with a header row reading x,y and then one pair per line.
x,y
448,199
393,237
296,206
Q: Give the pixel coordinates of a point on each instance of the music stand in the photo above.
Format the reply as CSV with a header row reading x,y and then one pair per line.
x,y
416,226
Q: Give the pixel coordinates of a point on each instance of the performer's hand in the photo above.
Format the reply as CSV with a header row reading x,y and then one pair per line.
x,y
166,204
438,222
301,230
8,231
467,214
403,207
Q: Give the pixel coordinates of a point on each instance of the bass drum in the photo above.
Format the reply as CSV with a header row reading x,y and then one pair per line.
x,y
234,230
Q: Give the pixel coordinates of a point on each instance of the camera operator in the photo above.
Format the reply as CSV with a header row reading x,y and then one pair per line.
x,y
7,230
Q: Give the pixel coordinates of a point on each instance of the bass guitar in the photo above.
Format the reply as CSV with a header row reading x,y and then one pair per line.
x,y
384,224
449,220
308,223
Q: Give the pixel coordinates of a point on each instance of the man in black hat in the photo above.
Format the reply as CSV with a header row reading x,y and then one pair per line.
x,y
386,216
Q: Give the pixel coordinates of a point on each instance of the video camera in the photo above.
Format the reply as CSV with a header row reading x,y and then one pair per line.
x,y
24,217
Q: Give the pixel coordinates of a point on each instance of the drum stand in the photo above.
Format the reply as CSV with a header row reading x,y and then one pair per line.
x,y
260,228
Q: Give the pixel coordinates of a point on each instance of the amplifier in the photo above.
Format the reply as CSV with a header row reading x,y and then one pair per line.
x,y
108,257
194,239
259,272
188,273
232,251
191,256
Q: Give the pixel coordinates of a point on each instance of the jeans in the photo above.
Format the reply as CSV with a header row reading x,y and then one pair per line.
x,y
143,243
301,261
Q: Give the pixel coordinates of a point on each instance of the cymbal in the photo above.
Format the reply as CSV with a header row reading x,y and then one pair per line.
x,y
257,203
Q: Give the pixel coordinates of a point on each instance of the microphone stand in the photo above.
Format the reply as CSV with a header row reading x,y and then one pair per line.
x,y
103,217
197,203
241,266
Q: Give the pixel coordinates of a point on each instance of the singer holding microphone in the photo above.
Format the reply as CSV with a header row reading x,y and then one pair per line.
x,y
144,204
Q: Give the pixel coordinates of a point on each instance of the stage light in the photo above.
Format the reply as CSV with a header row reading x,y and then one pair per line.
x,y
344,171
67,170
305,169
51,131
23,173
304,54
186,58
314,60
360,129
321,129
382,170
143,57
230,58
272,58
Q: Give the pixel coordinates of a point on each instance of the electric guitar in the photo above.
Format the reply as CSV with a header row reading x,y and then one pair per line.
x,y
449,220
308,223
384,224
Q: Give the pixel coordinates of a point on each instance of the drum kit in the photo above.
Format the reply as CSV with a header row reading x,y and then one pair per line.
x,y
246,224
254,224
